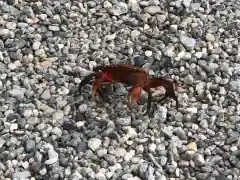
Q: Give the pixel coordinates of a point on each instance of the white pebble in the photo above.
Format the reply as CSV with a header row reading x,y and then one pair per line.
x,y
27,113
13,127
83,108
148,53
25,165
94,143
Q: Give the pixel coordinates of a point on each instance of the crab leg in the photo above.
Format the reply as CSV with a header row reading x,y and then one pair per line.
x,y
134,95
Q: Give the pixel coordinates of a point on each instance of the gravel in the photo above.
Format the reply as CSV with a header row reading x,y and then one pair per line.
x,y
47,47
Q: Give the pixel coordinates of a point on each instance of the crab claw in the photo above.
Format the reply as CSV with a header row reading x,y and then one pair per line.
x,y
134,95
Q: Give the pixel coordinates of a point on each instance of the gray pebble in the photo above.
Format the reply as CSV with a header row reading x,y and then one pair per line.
x,y
180,133
210,37
168,131
2,142
124,121
118,9
189,43
188,79
29,146
199,159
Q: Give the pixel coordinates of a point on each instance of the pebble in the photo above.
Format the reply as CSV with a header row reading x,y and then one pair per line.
x,y
188,79
124,121
2,142
36,45
118,9
187,3
54,28
94,143
168,131
139,61
4,32
152,10
58,115
25,165
148,53
83,108
210,37
57,131
21,175
192,146
52,157
29,146
11,25
187,42
199,160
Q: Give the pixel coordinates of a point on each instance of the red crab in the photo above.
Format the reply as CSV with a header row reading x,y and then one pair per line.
x,y
133,76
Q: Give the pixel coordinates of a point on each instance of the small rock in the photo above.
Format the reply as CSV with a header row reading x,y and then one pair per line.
x,y
168,131
210,37
4,32
45,64
195,6
36,45
52,155
57,131
187,3
192,147
188,79
101,152
152,147
2,142
46,95
152,10
199,160
21,175
148,53
120,152
118,9
25,165
94,143
29,146
83,108
139,61
134,34
58,115
54,28
18,92
221,177
11,25
169,51
235,85
81,147
160,114
180,133
189,43
123,121
14,126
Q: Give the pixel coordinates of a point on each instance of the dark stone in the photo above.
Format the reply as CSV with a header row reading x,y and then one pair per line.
x,y
139,61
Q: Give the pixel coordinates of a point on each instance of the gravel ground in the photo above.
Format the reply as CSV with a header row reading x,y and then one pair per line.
x,y
47,47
